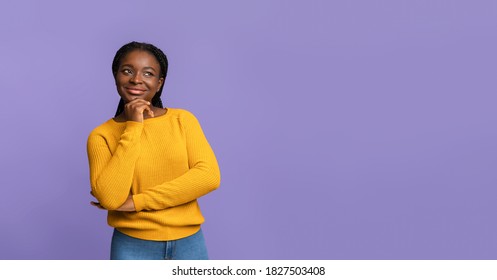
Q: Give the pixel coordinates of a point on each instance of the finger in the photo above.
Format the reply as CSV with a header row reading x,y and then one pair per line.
x,y
150,112
134,99
135,111
135,104
138,106
137,101
96,204
143,108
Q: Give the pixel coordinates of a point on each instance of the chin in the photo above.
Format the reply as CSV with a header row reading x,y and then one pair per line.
x,y
130,98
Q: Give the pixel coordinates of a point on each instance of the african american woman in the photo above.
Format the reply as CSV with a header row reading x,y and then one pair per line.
x,y
149,165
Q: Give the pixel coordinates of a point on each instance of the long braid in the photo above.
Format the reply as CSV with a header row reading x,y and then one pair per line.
x,y
157,53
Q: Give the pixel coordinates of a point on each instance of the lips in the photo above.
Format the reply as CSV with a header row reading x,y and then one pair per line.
x,y
136,91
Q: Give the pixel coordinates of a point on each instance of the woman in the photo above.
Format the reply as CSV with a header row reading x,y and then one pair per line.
x,y
149,164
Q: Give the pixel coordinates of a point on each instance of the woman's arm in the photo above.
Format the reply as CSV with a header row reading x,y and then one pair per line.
x,y
202,177
111,173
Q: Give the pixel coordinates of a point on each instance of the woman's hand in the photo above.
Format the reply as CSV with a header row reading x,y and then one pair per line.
x,y
135,109
128,205
97,204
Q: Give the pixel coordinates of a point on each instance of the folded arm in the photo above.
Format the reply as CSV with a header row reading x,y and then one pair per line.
x,y
111,173
202,177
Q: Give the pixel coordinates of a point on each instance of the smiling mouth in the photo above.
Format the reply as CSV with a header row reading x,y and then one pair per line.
x,y
135,91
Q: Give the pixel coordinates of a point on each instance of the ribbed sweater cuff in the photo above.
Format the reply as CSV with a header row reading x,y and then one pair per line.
x,y
133,125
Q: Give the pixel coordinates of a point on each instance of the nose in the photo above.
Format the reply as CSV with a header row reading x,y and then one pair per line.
x,y
135,79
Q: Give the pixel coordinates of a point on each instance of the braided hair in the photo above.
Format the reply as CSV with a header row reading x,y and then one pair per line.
x,y
156,52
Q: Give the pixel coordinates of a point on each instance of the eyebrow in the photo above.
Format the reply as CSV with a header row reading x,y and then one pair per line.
x,y
146,67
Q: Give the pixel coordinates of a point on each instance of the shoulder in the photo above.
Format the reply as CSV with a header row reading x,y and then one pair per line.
x,y
103,129
182,114
186,119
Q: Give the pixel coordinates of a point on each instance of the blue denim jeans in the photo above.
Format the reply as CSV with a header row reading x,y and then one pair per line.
x,y
125,247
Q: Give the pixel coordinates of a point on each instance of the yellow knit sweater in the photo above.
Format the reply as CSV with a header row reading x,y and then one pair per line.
x,y
165,163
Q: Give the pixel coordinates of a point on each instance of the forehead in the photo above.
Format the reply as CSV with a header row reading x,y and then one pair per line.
x,y
140,58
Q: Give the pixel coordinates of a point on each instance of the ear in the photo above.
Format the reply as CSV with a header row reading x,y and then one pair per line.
x,y
161,81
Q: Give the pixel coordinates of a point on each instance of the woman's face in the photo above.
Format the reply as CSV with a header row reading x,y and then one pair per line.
x,y
138,76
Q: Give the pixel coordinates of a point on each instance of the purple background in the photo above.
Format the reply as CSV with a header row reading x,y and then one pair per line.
x,y
344,129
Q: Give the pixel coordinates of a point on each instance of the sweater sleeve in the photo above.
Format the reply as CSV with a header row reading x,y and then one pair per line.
x,y
111,172
202,177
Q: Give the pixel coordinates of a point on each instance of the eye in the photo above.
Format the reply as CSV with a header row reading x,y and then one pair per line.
x,y
148,74
126,71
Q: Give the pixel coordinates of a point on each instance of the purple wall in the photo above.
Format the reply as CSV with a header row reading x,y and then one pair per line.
x,y
344,129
